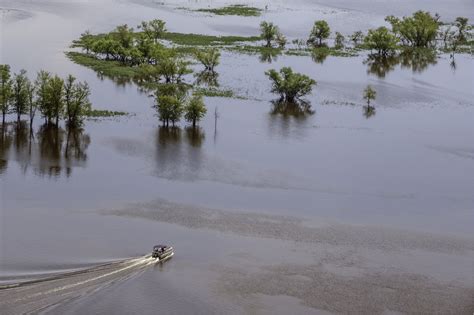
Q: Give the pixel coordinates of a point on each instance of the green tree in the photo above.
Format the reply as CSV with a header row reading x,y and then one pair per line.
x,y
381,40
461,24
195,110
5,90
55,99
269,32
86,41
172,67
320,32
169,100
169,109
76,99
281,40
146,47
32,104
289,85
357,38
42,92
339,41
209,58
124,35
419,30
369,95
154,29
19,94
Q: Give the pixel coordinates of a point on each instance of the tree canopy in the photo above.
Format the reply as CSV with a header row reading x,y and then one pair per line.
x,y
320,32
290,85
5,90
195,110
418,30
381,40
19,94
209,58
271,33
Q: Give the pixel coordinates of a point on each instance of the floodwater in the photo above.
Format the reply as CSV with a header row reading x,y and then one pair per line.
x,y
341,211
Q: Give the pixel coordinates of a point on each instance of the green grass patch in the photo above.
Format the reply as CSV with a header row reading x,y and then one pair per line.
x,y
108,68
206,40
213,92
97,113
328,51
236,9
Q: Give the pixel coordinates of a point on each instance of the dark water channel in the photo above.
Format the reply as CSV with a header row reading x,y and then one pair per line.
x,y
270,210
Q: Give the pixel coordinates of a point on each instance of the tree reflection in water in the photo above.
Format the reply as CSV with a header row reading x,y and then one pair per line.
x,y
369,111
207,78
300,109
5,144
51,151
290,119
418,60
178,152
269,55
319,54
195,136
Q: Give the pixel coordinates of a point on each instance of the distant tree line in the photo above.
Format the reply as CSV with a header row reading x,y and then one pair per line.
x,y
53,97
421,30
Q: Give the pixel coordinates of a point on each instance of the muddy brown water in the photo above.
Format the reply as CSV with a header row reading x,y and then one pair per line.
x,y
336,212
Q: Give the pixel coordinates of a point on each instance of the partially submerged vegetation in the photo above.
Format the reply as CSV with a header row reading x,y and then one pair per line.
x,y
53,97
236,9
99,113
49,95
154,58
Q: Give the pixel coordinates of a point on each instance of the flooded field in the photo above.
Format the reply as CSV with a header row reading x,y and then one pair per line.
x,y
341,211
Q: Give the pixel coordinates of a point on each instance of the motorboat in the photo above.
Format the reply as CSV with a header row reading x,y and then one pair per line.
x,y
162,252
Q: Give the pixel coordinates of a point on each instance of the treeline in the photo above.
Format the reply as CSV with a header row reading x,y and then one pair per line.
x,y
421,30
53,97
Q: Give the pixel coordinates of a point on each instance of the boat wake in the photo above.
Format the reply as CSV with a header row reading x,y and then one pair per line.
x,y
40,294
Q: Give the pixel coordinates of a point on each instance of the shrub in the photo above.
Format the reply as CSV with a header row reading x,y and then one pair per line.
x,y
289,85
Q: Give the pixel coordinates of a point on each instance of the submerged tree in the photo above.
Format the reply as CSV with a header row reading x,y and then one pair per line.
x,y
5,90
369,95
209,58
32,104
281,40
381,40
320,32
357,38
19,94
195,110
171,66
289,85
154,29
169,102
419,30
42,92
170,108
55,100
339,41
76,97
269,32
461,24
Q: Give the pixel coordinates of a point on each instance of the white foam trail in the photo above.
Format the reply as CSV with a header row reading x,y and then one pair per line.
x,y
145,261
